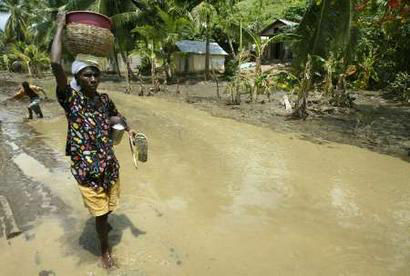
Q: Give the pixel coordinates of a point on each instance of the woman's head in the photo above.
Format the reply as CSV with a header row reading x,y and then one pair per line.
x,y
86,75
25,85
88,78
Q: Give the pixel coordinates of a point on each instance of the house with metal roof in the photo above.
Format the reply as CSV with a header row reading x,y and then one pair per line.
x,y
279,50
190,57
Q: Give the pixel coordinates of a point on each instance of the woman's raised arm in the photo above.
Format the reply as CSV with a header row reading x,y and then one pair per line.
x,y
56,52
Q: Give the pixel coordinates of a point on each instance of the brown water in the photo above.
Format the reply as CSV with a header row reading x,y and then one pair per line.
x,y
219,197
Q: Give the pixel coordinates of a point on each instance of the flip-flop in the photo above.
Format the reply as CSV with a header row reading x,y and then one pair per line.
x,y
138,146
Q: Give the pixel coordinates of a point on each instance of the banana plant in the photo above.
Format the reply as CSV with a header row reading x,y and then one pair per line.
x,y
326,26
259,46
150,48
34,59
302,90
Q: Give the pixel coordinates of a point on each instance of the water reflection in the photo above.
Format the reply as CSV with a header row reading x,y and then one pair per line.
x,y
119,223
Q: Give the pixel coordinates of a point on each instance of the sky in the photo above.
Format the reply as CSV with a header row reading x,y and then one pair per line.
x,y
3,20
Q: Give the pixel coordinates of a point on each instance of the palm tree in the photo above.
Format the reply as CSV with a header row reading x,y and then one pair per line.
x,y
302,90
150,48
16,26
125,16
203,13
228,20
174,24
42,21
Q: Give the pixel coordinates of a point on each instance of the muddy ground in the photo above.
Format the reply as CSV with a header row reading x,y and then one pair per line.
x,y
28,198
374,122
270,200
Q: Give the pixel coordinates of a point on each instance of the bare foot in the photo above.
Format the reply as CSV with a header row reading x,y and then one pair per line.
x,y
107,261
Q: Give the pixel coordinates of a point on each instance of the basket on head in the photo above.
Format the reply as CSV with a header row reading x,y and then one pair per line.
x,y
88,33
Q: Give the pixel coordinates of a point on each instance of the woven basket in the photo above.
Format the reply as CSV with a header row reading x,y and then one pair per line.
x,y
88,39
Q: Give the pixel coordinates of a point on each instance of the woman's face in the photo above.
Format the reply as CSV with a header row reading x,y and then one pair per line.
x,y
88,79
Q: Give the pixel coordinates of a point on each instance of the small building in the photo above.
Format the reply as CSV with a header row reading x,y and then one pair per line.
x,y
134,61
190,57
279,50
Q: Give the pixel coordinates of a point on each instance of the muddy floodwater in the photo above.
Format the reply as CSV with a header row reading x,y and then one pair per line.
x,y
219,197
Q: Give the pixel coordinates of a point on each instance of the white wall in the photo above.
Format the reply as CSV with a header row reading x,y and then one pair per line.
x,y
196,63
134,60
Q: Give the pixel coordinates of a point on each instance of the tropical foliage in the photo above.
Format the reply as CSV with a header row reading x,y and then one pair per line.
x,y
353,44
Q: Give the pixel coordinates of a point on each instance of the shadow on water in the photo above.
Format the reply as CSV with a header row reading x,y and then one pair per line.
x,y
89,241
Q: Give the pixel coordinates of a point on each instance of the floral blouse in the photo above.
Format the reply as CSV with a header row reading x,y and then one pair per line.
x,y
93,162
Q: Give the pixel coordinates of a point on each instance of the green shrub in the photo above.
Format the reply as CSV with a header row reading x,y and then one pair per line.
x,y
285,81
231,68
400,87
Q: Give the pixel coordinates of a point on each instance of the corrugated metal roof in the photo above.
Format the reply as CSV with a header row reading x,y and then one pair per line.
x,y
199,47
269,31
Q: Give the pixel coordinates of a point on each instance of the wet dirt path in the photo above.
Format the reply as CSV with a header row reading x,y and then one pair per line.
x,y
219,197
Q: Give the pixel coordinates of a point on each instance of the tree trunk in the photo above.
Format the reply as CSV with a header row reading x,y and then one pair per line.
x,y
207,48
215,76
300,111
303,93
127,75
231,46
117,66
29,70
177,91
238,94
153,74
131,74
153,69
348,33
154,78
325,4
168,69
258,67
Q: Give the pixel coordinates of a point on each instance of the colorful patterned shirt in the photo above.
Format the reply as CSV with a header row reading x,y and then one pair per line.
x,y
93,162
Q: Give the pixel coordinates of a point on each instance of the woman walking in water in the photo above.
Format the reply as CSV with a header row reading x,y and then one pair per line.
x,y
89,115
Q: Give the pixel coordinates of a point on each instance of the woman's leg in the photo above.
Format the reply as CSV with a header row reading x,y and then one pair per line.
x,y
101,223
39,112
30,113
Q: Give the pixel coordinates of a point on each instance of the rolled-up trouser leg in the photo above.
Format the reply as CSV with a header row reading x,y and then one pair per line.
x,y
35,106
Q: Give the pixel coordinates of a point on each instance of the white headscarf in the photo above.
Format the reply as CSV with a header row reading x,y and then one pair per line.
x,y
77,66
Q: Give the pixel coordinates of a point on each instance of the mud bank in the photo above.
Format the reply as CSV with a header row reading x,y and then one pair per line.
x,y
373,123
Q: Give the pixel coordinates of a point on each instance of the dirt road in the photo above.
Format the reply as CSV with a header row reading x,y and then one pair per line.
x,y
217,197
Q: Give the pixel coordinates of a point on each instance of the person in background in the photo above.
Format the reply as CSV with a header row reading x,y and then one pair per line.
x,y
32,92
90,115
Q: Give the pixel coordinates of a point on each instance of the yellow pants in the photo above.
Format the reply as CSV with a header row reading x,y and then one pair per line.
x,y
100,202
